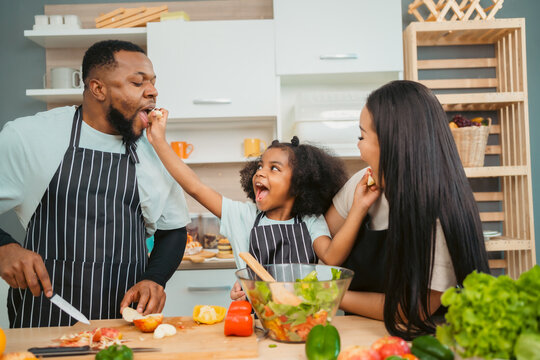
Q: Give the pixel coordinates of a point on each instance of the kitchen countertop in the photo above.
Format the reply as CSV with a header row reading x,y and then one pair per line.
x,y
354,330
207,264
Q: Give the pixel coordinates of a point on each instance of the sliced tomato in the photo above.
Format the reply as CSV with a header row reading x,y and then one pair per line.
x,y
111,333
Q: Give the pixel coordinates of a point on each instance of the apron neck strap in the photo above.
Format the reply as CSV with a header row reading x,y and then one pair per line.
x,y
297,218
76,128
258,218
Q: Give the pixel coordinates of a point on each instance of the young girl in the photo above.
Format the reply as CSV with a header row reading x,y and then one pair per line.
x,y
291,186
418,229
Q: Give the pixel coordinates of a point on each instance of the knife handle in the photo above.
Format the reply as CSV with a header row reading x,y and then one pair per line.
x,y
58,350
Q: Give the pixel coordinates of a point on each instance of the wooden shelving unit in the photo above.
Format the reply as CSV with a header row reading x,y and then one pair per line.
x,y
505,95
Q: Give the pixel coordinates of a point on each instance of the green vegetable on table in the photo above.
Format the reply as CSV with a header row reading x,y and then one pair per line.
x,y
488,314
115,352
429,348
323,343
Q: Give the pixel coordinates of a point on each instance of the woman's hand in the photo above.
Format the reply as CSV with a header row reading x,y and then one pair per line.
x,y
157,123
364,195
237,293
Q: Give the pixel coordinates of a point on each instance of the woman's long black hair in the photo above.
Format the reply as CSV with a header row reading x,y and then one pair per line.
x,y
424,181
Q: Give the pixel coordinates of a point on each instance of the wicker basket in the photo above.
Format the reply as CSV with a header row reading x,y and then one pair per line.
x,y
471,142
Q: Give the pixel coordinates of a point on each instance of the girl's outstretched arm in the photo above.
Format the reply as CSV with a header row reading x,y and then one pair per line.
x,y
182,173
371,304
336,250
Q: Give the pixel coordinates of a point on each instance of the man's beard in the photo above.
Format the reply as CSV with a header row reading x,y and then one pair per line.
x,y
123,125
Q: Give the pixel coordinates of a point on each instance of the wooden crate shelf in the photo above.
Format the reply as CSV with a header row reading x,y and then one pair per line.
x,y
495,171
498,87
480,101
505,244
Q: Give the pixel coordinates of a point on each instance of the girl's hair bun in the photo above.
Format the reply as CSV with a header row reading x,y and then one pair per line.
x,y
295,141
274,143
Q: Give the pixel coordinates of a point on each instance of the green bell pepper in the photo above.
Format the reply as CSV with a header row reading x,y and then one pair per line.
x,y
323,343
429,348
115,352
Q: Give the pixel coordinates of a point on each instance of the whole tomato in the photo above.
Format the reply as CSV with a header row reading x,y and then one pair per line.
x,y
358,352
390,345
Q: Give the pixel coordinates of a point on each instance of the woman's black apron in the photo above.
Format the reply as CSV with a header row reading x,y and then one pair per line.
x,y
89,230
367,260
281,243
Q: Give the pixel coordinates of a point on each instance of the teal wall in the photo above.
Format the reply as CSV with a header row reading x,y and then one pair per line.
x,y
22,64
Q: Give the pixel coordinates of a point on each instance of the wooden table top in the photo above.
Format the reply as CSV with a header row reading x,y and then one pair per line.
x,y
199,341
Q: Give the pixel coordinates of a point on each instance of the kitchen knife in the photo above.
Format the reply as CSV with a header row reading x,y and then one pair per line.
x,y
52,351
68,308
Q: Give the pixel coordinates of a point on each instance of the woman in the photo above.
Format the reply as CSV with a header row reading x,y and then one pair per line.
x,y
417,231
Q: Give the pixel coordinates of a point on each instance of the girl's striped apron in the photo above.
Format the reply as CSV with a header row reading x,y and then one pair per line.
x,y
90,231
281,243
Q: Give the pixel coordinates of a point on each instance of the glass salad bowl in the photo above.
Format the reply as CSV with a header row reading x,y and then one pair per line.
x,y
303,296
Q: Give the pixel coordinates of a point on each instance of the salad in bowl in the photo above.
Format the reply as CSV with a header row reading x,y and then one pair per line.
x,y
303,295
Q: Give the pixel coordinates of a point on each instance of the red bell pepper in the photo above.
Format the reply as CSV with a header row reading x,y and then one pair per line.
x,y
239,321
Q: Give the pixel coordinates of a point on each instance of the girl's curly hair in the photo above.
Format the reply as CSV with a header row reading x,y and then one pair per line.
x,y
317,177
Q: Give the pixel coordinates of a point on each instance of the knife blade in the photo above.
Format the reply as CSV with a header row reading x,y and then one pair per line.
x,y
68,308
52,351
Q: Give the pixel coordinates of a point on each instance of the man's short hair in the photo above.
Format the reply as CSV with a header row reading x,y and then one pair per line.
x,y
101,54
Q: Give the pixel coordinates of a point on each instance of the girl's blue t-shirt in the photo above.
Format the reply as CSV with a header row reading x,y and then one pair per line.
x,y
237,219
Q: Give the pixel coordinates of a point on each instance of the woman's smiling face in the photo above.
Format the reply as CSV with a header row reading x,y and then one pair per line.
x,y
368,143
272,183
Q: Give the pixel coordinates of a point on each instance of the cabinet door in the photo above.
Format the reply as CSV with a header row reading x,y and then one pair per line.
x,y
188,288
345,36
214,68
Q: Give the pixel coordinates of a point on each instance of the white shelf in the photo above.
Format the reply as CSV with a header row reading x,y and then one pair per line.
x,y
64,96
83,38
217,160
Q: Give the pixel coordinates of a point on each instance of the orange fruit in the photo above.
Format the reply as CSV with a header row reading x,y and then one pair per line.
x,y
2,341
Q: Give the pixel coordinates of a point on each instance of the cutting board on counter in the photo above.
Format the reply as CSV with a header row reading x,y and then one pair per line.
x,y
192,341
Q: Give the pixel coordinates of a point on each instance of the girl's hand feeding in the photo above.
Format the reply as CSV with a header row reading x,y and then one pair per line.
x,y
365,195
157,125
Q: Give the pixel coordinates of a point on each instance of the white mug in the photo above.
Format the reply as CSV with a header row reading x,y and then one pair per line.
x,y
72,20
41,20
64,78
56,19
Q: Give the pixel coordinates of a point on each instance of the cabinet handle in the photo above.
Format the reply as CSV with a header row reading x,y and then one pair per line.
x,y
212,101
208,288
350,56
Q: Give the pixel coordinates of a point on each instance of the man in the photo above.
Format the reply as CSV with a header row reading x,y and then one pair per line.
x,y
89,189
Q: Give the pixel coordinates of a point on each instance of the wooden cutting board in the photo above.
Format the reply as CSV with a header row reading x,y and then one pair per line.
x,y
193,341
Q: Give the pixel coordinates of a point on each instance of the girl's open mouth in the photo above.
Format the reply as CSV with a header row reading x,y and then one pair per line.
x,y
260,191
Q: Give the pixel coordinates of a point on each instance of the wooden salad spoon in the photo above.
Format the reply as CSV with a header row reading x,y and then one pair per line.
x,y
280,295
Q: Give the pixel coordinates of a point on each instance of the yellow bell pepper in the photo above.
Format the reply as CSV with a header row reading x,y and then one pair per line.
x,y
208,314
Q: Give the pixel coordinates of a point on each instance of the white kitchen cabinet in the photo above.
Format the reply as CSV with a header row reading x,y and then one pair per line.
x,y
209,69
188,288
345,36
